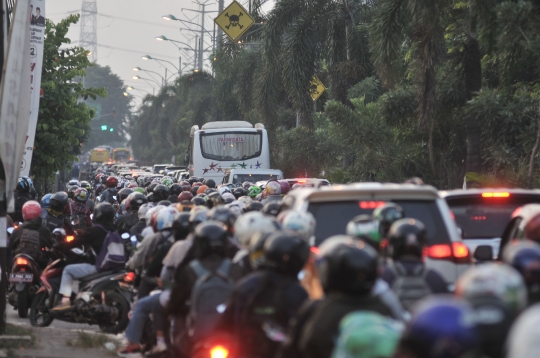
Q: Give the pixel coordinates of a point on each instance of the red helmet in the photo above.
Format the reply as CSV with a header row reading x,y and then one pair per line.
x,y
98,177
185,195
112,182
31,210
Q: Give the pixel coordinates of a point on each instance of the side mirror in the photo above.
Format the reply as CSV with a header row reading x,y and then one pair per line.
x,y
483,253
125,236
10,230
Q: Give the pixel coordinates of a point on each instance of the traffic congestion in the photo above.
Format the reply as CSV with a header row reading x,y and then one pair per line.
x,y
187,266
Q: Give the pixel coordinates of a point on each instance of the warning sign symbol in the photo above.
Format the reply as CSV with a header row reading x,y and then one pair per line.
x,y
234,20
316,88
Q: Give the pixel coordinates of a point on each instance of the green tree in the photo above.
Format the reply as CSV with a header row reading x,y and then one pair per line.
x,y
63,122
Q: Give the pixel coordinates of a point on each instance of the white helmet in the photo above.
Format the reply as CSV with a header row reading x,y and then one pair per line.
x,y
143,210
250,223
224,189
165,218
228,197
236,207
245,200
151,212
298,223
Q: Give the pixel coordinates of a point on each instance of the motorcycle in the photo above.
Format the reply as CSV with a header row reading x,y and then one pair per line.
x,y
101,299
24,282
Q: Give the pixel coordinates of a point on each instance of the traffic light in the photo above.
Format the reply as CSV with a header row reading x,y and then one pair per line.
x,y
112,130
104,127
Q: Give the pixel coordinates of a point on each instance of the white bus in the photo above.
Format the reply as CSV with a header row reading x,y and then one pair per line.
x,y
219,146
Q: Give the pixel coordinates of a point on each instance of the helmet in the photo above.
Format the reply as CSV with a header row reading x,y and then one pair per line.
x,y
346,264
250,223
45,200
111,182
236,207
285,186
366,228
86,185
153,216
201,189
366,334
165,218
253,206
104,178
491,279
198,215
198,201
31,210
273,188
441,328
149,213
71,191
253,191
97,179
143,209
74,182
387,215
210,183
175,189
186,187
136,201
239,192
223,189
104,213
139,190
406,237
285,253
167,182
298,223
532,229
181,225
228,198
210,237
256,248
132,185
214,199
59,201
161,192
151,187
524,256
185,195
414,180
164,203
23,185
223,215
123,194
80,195
246,185
272,208
245,200
121,184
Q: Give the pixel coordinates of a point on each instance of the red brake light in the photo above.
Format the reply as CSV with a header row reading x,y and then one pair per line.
x,y
130,276
22,261
501,194
314,250
457,252
478,218
302,181
70,238
371,204
219,352
438,251
461,251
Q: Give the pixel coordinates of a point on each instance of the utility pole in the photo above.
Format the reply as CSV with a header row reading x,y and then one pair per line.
x,y
88,36
221,6
196,52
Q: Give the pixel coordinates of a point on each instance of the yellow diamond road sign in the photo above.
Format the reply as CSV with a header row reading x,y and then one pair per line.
x,y
234,20
316,88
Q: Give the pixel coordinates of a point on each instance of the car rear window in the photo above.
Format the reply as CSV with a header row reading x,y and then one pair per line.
x,y
332,217
486,217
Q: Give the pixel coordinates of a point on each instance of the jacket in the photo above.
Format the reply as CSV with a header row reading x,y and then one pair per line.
x,y
91,239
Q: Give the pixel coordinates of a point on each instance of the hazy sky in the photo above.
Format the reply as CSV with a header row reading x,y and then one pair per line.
x,y
126,30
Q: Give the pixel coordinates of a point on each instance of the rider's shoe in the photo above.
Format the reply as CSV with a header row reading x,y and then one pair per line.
x,y
62,306
129,350
157,351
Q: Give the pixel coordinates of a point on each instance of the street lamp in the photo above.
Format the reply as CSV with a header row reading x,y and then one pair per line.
x,y
136,69
148,57
145,79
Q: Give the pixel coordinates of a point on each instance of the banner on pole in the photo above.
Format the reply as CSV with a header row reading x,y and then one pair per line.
x,y
37,38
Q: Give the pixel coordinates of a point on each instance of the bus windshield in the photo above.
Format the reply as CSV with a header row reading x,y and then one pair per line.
x,y
121,154
231,145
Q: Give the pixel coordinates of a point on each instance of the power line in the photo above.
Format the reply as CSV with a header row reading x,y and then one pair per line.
x,y
135,51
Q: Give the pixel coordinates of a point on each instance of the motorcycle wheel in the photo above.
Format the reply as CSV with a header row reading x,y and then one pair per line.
x,y
40,315
22,303
116,300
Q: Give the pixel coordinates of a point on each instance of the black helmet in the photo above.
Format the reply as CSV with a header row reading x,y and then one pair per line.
x,y
406,237
123,194
346,264
254,206
214,200
246,185
86,185
23,185
181,226
272,208
198,201
175,189
223,215
285,253
193,180
137,199
71,191
239,192
59,201
194,190
210,237
387,215
151,187
104,213
210,183
161,192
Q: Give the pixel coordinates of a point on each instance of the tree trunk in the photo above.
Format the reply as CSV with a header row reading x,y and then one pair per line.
x,y
534,152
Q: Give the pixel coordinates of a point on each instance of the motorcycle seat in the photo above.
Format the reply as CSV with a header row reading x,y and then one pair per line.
x,y
100,274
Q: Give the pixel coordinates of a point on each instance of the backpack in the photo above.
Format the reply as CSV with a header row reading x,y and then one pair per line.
x,y
409,287
155,263
208,298
29,243
111,192
51,222
128,221
111,257
77,218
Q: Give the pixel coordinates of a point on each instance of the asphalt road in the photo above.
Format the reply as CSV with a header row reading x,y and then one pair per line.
x,y
13,317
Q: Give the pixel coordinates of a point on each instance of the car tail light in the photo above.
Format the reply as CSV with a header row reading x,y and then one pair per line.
x,y
302,181
70,238
314,250
219,352
130,276
457,252
22,261
498,194
371,204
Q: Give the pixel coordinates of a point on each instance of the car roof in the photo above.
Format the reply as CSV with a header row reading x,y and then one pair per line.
x,y
366,190
463,193
254,171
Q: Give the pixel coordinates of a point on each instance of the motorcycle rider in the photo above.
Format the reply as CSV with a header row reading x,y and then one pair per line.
x,y
54,218
77,212
92,239
271,192
127,221
21,196
174,191
524,256
31,237
141,224
160,192
111,191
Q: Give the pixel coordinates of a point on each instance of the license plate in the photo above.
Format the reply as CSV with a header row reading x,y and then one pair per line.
x,y
21,277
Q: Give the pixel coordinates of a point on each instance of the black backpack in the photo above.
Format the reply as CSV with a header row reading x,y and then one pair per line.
x,y
29,243
155,265
52,222
409,287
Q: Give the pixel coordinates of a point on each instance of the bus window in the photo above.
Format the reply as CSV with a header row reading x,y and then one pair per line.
x,y
231,145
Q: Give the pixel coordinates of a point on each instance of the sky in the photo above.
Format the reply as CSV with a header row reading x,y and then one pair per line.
x,y
126,31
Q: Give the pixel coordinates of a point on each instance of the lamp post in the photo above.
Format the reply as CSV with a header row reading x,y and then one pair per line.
x,y
145,79
136,69
148,57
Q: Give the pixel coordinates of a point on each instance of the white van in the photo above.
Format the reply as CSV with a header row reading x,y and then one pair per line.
x,y
238,176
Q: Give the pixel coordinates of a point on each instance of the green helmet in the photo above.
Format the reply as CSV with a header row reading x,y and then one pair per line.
x,y
167,182
387,214
139,190
253,191
366,335
366,228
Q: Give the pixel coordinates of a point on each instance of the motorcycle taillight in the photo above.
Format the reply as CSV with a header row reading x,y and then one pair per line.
x,y
219,352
